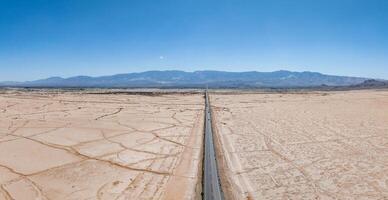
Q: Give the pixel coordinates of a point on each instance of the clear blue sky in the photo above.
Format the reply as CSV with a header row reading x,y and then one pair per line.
x,y
43,38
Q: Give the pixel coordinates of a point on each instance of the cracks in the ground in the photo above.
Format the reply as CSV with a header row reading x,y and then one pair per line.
x,y
158,162
5,193
11,132
268,142
5,109
109,114
42,112
20,177
154,132
12,170
138,179
44,105
277,149
109,139
86,157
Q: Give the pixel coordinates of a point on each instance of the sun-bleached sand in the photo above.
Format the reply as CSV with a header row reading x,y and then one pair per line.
x,y
74,145
314,145
301,145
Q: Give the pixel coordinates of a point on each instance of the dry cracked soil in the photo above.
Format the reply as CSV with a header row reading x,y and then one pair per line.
x,y
315,145
87,146
302,145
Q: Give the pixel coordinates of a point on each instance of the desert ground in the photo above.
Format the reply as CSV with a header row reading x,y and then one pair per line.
x,y
73,145
314,145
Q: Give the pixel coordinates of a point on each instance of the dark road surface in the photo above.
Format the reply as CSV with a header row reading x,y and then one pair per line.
x,y
211,182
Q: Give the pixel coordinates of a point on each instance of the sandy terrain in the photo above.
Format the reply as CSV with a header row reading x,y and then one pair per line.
x,y
303,146
89,146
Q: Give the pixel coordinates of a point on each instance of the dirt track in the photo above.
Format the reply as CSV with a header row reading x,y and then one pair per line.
x,y
318,145
88,146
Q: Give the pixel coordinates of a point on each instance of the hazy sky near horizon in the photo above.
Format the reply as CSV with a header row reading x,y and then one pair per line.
x,y
43,38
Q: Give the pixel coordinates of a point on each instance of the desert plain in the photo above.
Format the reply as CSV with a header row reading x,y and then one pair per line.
x,y
114,146
313,145
74,145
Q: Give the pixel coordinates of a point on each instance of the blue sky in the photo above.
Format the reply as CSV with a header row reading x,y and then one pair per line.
x,y
43,38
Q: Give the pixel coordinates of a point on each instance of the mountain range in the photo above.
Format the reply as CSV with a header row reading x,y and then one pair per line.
x,y
214,79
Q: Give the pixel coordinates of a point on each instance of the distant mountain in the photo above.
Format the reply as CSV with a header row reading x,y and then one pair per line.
x,y
372,83
215,79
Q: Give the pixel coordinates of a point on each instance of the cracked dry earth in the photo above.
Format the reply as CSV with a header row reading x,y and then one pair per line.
x,y
318,145
89,146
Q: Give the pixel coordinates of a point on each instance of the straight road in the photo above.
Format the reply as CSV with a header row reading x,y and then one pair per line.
x,y
211,181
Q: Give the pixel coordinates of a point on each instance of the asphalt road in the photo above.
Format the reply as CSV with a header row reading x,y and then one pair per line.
x,y
211,181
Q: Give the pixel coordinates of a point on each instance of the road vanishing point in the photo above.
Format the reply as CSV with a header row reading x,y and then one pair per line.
x,y
211,180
